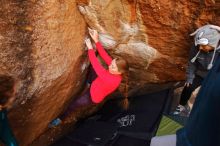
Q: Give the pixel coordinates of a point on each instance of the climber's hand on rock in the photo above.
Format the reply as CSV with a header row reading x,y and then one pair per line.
x,y
88,43
94,35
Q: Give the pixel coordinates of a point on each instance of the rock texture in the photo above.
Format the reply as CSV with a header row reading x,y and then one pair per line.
x,y
41,44
153,35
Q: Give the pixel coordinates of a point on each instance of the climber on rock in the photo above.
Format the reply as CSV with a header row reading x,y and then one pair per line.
x,y
106,82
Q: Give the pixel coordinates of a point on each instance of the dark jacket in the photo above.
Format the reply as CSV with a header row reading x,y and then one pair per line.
x,y
199,67
203,125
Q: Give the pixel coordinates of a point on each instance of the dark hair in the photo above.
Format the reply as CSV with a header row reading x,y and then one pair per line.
x,y
7,84
123,67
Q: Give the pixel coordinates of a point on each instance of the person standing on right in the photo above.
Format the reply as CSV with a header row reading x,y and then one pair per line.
x,y
202,56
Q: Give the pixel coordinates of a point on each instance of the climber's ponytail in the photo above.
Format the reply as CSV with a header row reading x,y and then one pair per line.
x,y
125,101
123,67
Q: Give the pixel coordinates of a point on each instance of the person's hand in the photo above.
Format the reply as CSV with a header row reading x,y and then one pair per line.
x,y
187,84
94,35
88,43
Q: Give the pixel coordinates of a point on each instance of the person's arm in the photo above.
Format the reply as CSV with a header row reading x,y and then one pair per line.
x,y
98,68
95,36
103,53
190,71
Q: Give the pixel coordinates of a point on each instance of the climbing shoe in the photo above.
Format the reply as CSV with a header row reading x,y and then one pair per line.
x,y
55,123
182,110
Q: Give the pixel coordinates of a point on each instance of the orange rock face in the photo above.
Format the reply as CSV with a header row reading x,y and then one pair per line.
x,y
152,35
41,44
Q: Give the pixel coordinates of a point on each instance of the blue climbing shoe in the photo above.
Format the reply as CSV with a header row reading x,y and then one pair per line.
x,y
55,123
